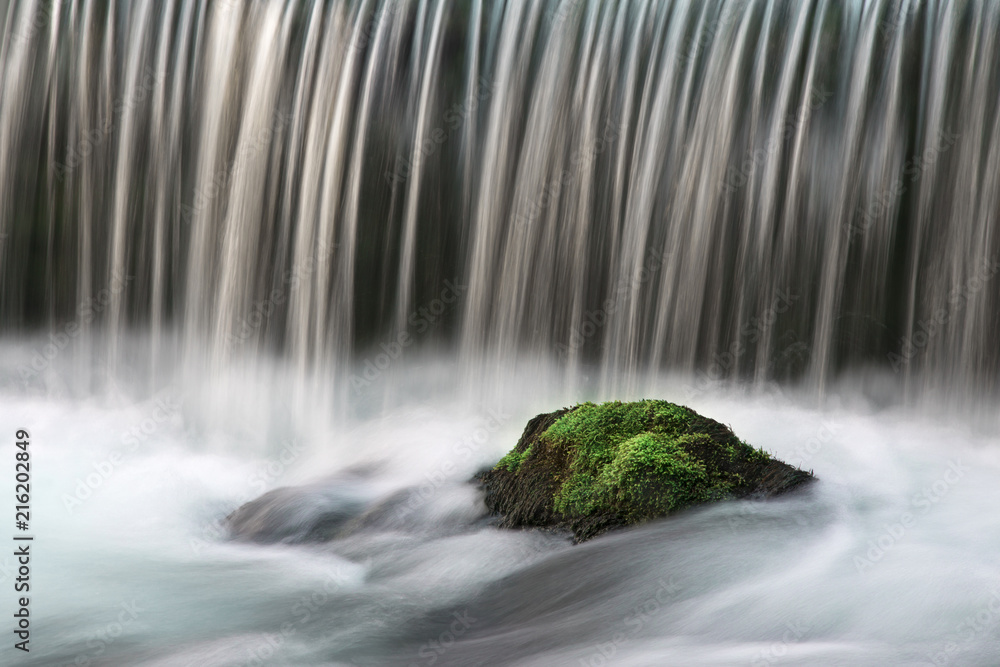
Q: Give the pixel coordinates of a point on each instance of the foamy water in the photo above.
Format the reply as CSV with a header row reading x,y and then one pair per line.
x,y
889,559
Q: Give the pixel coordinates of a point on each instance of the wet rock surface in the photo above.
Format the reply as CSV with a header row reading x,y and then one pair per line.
x,y
593,468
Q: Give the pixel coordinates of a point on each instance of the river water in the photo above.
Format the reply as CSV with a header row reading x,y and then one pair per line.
x,y
890,558
349,247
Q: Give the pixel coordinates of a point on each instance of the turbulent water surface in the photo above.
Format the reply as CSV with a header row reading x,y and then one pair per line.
x,y
350,246
889,559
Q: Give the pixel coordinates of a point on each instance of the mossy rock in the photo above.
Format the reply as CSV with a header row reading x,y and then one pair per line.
x,y
592,468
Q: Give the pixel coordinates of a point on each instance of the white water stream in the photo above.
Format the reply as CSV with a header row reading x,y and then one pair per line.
x,y
889,559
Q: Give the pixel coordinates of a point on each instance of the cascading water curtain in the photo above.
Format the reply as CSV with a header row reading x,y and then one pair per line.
x,y
744,188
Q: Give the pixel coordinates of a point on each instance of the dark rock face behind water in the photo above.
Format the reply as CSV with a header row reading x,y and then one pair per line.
x,y
593,468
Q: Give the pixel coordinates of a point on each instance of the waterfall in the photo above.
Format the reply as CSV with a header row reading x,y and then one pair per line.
x,y
749,189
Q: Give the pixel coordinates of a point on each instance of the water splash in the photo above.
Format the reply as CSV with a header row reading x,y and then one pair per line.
x,y
742,188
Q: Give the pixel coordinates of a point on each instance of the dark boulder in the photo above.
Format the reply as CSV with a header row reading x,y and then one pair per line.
x,y
592,468
313,513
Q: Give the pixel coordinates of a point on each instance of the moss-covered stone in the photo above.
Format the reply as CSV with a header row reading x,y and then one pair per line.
x,y
595,467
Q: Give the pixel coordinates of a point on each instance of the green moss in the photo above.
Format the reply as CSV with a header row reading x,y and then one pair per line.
x,y
634,460
513,459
